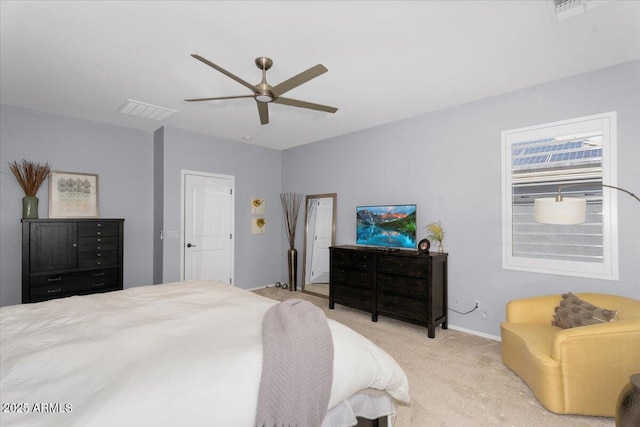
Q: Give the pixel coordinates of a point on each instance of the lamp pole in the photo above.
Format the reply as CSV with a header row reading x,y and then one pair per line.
x,y
559,195
623,190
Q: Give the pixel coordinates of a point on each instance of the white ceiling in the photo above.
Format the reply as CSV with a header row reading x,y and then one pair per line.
x,y
387,60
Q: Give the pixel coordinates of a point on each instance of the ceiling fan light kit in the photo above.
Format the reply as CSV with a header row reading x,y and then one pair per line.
x,y
264,93
264,96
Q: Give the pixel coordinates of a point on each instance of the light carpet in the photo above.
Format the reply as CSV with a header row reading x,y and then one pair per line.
x,y
455,379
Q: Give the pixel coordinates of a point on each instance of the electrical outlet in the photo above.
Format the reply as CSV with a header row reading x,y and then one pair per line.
x,y
477,304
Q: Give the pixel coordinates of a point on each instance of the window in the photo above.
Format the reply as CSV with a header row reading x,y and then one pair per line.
x,y
579,156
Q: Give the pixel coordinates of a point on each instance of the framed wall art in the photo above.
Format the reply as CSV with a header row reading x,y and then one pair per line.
x,y
73,195
258,225
257,206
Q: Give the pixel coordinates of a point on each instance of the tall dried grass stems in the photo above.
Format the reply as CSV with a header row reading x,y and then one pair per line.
x,y
291,207
30,175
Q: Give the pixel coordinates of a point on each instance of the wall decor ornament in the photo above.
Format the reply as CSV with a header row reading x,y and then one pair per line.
x,y
30,177
257,206
258,225
73,195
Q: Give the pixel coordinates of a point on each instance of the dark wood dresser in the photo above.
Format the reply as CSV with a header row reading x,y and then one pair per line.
x,y
64,257
401,284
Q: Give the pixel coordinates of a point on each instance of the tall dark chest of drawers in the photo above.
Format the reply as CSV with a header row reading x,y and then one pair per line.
x,y
64,257
404,285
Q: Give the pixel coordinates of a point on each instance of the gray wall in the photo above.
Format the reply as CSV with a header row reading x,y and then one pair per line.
x,y
257,173
123,160
449,164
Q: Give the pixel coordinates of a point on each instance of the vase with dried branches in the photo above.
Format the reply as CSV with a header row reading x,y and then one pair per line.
x,y
291,207
30,176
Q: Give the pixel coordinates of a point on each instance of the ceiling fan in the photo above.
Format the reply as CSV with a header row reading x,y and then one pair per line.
x,y
264,93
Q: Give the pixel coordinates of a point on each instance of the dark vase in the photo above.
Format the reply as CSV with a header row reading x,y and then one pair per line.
x,y
628,406
292,257
29,207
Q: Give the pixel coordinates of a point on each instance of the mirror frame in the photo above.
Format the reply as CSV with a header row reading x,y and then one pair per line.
x,y
333,196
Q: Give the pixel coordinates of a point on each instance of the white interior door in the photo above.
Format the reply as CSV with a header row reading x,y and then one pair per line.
x,y
321,241
208,227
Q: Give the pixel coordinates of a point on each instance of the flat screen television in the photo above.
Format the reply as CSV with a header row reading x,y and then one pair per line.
x,y
388,226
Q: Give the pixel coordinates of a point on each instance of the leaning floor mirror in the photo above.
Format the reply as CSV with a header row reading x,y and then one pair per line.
x,y
320,234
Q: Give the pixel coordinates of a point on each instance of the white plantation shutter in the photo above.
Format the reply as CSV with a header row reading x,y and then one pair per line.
x,y
576,155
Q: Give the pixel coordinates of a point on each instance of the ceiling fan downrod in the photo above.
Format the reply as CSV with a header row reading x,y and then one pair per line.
x,y
265,94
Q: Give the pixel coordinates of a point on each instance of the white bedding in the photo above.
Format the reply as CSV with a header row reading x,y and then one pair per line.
x,y
180,354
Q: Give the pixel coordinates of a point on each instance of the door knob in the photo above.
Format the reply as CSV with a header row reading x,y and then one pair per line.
x,y
189,245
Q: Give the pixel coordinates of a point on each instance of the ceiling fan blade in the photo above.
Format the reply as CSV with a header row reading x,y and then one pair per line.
x,y
225,72
304,104
263,111
219,97
299,79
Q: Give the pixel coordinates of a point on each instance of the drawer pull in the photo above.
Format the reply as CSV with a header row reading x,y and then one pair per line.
x,y
95,285
99,248
98,263
98,254
99,233
54,279
99,225
52,291
99,240
98,274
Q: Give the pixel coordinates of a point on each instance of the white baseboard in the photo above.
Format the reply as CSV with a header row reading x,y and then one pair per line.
x,y
472,332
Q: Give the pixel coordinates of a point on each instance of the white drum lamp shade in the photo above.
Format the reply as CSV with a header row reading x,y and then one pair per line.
x,y
568,210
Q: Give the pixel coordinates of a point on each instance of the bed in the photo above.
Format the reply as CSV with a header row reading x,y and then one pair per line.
x,y
186,353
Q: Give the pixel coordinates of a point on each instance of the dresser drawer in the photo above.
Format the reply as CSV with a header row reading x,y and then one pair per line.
x,y
97,243
98,228
351,278
353,297
64,279
58,290
97,259
100,279
44,287
406,266
412,308
399,285
74,278
104,274
352,259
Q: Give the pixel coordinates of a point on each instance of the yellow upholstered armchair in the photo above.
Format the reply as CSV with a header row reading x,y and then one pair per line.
x,y
579,370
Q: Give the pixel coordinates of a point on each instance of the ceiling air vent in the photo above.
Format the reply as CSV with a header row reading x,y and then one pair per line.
x,y
564,9
145,111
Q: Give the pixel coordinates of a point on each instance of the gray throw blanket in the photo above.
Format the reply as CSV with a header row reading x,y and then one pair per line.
x,y
297,366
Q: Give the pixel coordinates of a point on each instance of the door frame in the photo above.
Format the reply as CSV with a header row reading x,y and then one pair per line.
x,y
232,179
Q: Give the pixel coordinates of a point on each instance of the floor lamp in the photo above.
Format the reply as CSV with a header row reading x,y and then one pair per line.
x,y
565,210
